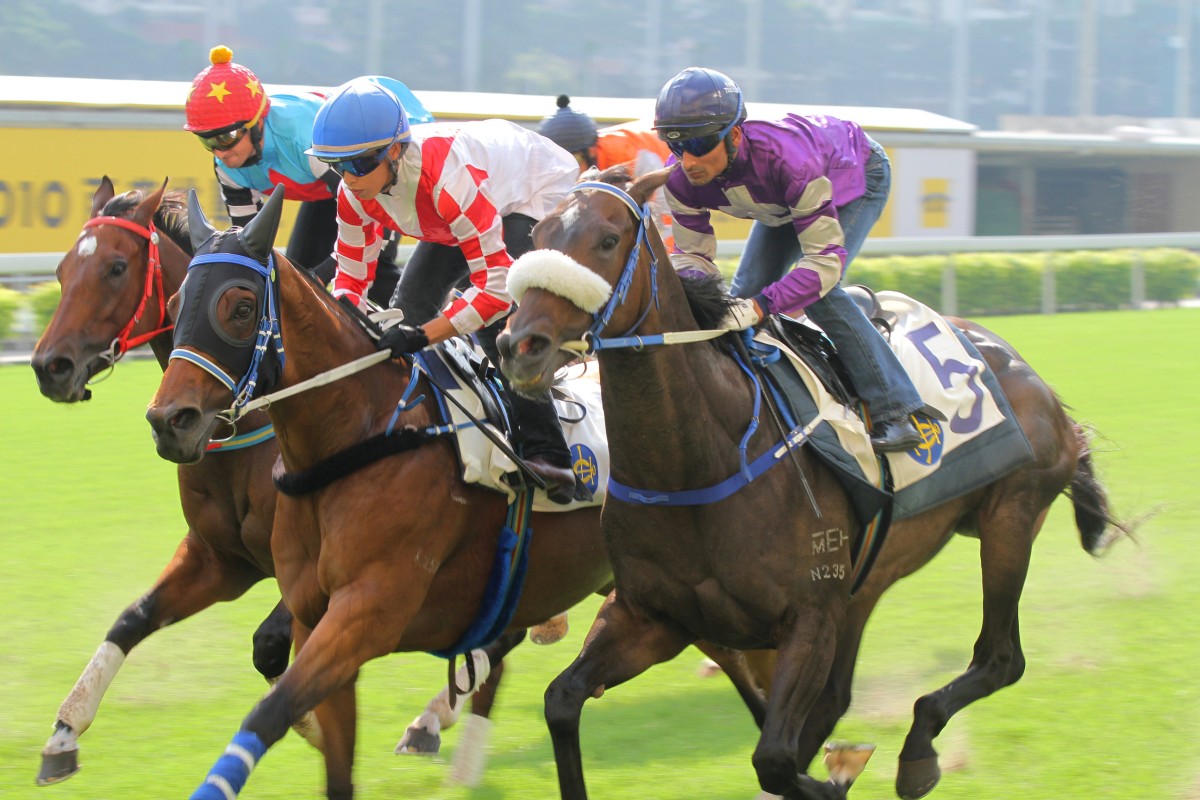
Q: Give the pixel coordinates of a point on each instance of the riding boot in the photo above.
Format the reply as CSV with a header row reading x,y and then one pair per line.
x,y
538,439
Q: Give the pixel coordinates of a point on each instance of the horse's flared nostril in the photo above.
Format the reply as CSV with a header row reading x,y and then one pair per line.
x,y
52,370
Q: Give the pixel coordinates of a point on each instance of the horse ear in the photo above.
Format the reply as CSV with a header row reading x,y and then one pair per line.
x,y
145,210
643,187
198,226
104,192
258,237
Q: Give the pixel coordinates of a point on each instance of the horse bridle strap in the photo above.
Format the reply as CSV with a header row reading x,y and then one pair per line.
x,y
123,343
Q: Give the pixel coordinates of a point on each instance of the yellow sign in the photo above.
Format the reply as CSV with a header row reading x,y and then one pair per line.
x,y
50,176
935,203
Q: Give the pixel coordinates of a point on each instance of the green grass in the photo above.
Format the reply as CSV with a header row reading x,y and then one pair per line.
x,y
1107,709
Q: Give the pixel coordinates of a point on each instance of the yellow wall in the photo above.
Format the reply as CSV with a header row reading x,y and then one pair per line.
x,y
50,175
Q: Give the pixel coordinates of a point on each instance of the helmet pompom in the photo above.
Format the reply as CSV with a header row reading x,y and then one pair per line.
x,y
220,55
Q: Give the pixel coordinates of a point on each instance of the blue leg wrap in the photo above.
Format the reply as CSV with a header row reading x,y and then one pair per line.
x,y
229,774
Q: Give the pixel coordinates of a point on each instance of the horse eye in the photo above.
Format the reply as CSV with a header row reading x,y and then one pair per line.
x,y
243,310
117,268
610,242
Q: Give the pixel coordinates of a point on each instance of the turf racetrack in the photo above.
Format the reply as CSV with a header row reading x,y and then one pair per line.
x,y
1108,708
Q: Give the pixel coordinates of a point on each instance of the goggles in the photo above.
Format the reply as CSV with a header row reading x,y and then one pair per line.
x,y
703,145
359,166
224,140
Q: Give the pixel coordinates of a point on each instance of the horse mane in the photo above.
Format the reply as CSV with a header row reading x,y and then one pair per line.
x,y
707,295
170,218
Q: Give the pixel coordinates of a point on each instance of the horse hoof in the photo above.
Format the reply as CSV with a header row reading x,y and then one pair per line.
x,y
57,767
550,631
917,778
846,762
419,742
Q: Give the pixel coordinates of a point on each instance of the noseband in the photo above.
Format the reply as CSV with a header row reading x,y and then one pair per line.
x,y
123,343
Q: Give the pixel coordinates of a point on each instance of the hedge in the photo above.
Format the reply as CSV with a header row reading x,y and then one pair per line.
x,y
10,303
43,300
1011,283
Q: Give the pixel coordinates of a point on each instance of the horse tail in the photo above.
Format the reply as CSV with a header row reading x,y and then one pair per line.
x,y
1098,528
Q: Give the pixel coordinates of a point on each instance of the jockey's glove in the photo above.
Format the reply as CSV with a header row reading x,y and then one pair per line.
x,y
740,315
402,339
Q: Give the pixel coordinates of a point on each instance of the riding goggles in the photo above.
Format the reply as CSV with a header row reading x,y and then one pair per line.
x,y
223,140
702,145
360,166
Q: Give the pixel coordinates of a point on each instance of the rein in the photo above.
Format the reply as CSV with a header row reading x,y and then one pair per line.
x,y
123,343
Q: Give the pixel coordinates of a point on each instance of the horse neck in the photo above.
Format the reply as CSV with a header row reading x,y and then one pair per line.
x,y
174,262
317,338
691,401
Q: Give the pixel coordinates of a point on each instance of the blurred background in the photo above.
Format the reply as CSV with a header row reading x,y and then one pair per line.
x,y
988,62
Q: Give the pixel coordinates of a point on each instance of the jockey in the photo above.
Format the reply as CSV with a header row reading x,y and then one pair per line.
x,y
259,142
814,186
470,194
631,144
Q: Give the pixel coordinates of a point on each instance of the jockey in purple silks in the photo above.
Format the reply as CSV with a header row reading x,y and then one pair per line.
x,y
814,186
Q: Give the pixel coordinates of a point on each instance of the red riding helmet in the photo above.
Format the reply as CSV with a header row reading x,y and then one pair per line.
x,y
225,95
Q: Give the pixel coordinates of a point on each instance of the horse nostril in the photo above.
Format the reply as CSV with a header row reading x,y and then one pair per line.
x,y
504,344
54,369
184,419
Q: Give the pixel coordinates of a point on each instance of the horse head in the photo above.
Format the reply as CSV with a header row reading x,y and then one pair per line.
x,y
586,276
113,295
226,344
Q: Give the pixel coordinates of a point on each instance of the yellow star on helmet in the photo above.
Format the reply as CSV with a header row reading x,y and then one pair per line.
x,y
218,91
254,88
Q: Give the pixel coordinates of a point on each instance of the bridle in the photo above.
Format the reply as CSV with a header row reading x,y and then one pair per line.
x,y
154,282
592,341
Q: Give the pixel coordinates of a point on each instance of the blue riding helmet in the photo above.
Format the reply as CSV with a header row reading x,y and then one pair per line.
x,y
359,116
698,102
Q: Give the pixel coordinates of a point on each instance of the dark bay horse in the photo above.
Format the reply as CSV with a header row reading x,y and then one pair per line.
x,y
131,256
743,571
393,557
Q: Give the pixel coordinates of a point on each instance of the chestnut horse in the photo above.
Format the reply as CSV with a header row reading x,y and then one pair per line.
x,y
743,571
130,257
393,557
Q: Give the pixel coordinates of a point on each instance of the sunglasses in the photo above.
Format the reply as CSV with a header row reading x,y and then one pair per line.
x,y
360,166
699,146
225,140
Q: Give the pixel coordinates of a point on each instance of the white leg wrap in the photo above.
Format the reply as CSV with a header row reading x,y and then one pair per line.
x,y
470,757
79,709
441,704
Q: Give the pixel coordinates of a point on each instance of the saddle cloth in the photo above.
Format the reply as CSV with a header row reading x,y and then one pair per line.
x,y
980,436
579,409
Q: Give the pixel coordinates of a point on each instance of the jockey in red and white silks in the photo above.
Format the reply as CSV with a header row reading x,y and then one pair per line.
x,y
454,185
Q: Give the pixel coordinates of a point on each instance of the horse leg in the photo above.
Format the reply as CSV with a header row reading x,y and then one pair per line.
x,y
801,673
273,642
363,621
423,736
834,699
470,756
743,677
621,644
1005,541
191,582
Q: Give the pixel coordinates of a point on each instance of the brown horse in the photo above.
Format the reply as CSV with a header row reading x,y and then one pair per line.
x,y
115,280
394,557
743,571
131,256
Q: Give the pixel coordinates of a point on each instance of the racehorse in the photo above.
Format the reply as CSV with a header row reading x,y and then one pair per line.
x,y
743,571
393,557
131,256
